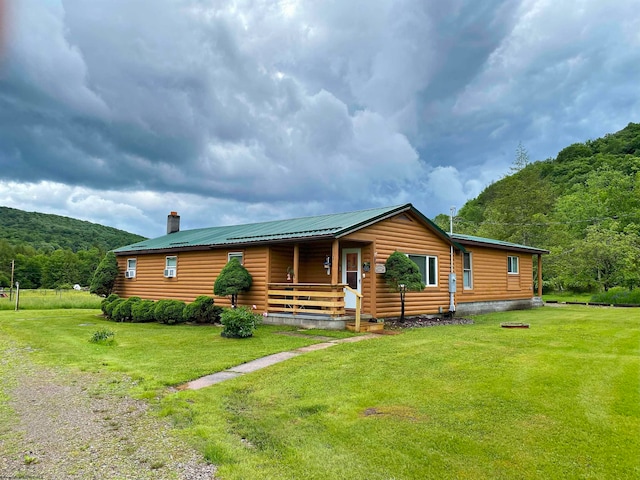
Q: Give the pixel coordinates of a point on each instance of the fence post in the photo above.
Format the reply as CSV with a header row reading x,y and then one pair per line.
x,y
17,296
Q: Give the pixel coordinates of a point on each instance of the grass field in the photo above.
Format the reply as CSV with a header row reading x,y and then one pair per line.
x,y
47,299
558,400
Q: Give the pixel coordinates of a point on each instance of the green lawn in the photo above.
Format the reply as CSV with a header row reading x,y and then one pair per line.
x,y
153,354
558,400
567,297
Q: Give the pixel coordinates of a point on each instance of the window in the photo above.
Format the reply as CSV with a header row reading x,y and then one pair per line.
x,y
467,276
428,267
171,265
512,265
131,268
238,255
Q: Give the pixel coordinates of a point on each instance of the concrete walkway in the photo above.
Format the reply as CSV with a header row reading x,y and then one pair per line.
x,y
264,362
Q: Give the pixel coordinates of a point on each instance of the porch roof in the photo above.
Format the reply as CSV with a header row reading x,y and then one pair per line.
x,y
306,228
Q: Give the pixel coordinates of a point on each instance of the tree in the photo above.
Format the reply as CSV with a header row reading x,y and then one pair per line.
x,y
233,279
403,276
105,275
521,160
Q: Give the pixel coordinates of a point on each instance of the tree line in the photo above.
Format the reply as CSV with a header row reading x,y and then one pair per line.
x,y
52,251
583,206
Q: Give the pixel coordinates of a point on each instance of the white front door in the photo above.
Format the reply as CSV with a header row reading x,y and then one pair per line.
x,y
351,274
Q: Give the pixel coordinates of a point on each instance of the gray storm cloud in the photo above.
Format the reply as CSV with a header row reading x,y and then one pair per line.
x,y
254,110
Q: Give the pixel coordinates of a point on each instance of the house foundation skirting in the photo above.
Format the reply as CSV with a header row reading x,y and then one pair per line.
x,y
476,308
324,322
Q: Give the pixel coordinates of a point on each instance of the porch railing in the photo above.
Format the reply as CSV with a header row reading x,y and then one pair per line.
x,y
311,298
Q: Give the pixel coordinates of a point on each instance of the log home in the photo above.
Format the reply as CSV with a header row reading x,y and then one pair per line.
x,y
325,270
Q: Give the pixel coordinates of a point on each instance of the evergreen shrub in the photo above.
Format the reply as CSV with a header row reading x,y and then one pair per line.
x,y
122,311
143,311
169,311
239,322
107,301
109,307
202,310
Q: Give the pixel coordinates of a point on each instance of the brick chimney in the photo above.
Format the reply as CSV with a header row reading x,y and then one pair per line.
x,y
173,222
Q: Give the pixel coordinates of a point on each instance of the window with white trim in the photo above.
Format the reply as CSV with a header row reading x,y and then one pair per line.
x,y
171,266
428,266
512,265
467,273
131,268
238,255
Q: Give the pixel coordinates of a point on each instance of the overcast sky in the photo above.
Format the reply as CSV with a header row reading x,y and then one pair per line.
x,y
120,111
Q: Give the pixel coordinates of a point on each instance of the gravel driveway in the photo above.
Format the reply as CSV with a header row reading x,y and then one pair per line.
x,y
56,425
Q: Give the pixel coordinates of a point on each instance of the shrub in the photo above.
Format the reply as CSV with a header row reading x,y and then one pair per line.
x,y
122,311
202,310
111,306
107,301
143,311
239,322
169,311
104,278
618,295
103,336
233,279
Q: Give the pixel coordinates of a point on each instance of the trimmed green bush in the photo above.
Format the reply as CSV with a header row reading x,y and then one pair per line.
x,y
239,322
109,307
233,279
202,310
169,311
143,311
107,301
122,311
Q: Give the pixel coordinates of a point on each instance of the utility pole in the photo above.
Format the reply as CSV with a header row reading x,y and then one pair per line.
x,y
452,303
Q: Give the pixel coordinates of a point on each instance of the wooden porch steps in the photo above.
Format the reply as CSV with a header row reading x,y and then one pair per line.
x,y
366,326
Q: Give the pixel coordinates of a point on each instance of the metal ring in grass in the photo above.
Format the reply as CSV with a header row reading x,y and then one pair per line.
x,y
514,325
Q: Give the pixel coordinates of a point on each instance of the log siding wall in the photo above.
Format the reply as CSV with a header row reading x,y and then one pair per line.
x,y
490,280
196,273
406,234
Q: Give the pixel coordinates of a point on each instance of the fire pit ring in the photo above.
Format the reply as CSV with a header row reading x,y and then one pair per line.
x,y
514,325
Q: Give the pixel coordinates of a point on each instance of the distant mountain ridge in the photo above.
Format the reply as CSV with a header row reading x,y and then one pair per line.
x,y
48,232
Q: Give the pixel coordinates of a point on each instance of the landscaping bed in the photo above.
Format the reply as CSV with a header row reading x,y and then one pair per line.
x,y
418,321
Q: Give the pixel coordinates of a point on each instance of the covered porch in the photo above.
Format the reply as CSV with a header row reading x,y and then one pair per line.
x,y
317,284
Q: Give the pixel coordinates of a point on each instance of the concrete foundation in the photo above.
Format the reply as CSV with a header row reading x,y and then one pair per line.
x,y
324,322
476,308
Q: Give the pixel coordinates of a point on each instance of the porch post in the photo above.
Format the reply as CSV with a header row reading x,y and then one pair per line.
x,y
540,275
335,261
296,262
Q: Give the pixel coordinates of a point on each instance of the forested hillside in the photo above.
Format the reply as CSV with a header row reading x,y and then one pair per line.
x,y
583,205
50,250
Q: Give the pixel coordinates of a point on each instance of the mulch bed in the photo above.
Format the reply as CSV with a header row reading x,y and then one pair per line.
x,y
420,321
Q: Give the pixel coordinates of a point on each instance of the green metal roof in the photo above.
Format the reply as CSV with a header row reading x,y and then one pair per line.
x,y
322,226
472,240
